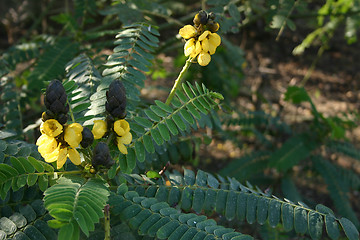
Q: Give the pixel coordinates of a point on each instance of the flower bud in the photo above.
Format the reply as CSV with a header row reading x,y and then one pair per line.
x,y
87,138
200,18
55,98
101,156
213,26
116,100
99,129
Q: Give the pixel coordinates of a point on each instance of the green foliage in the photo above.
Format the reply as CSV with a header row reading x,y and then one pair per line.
x,y
73,203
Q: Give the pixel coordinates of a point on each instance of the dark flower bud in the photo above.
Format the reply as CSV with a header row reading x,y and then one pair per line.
x,y
62,118
212,16
101,156
87,137
200,18
212,26
55,98
116,100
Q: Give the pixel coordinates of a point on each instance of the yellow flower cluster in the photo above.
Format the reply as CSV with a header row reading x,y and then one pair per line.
x,y
121,128
55,146
201,44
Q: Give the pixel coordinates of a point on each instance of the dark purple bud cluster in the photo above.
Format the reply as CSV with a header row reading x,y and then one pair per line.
x,y
101,156
56,102
116,100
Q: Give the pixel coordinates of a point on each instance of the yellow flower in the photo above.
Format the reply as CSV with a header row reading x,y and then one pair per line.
x,y
99,129
204,35
47,145
187,31
204,58
126,139
70,153
214,39
205,45
121,127
51,127
73,134
189,47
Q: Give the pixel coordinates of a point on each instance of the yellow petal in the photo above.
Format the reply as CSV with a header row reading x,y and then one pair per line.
x,y
46,144
99,129
121,127
214,39
212,49
61,158
189,47
204,35
52,156
205,45
126,139
204,58
198,48
51,127
74,156
73,134
122,147
187,31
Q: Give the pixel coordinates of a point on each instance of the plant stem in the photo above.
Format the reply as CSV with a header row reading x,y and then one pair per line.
x,y
107,222
178,81
71,112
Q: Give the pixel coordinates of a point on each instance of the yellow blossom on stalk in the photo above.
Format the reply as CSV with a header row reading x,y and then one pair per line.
x,y
99,129
51,127
202,38
122,129
73,134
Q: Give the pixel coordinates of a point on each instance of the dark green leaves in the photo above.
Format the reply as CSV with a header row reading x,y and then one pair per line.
x,y
74,203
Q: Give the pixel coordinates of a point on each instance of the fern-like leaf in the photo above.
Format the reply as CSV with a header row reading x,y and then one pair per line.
x,y
338,189
228,197
75,203
83,77
162,122
51,63
130,59
155,218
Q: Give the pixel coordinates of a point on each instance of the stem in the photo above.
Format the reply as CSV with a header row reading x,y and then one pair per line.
x,y
71,112
107,222
178,81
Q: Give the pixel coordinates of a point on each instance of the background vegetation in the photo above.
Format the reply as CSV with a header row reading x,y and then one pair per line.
x,y
287,126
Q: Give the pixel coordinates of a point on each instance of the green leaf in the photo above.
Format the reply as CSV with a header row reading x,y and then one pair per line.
x,y
332,227
144,122
172,127
164,132
158,111
296,95
187,116
179,122
274,213
300,220
130,158
287,216
163,106
349,229
315,225
140,151
148,143
156,136
152,115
